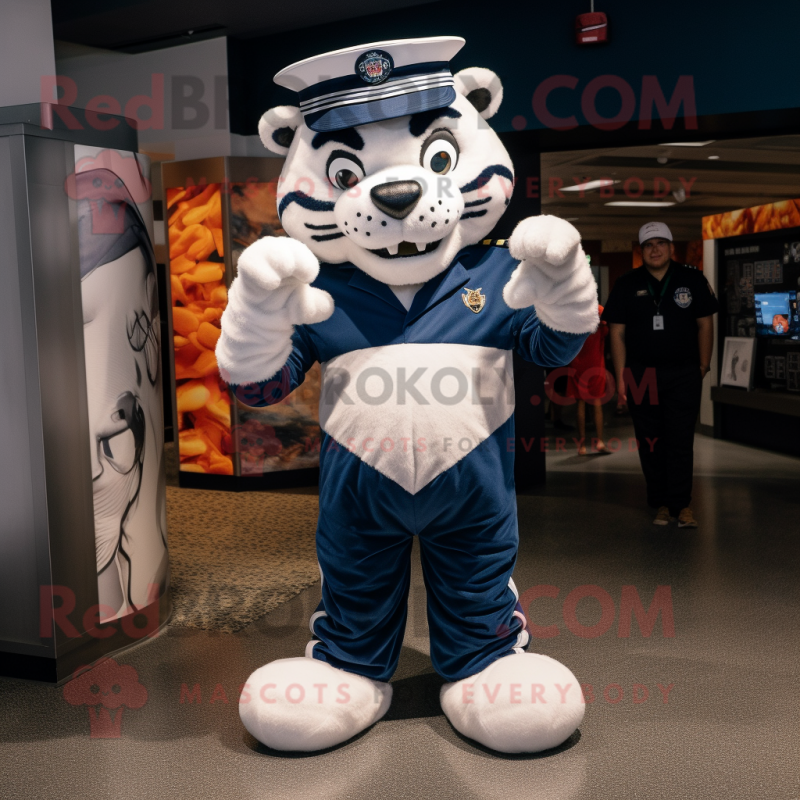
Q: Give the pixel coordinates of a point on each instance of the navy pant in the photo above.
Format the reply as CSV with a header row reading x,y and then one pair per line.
x,y
467,529
664,428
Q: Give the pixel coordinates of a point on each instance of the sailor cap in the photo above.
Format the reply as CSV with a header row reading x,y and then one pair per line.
x,y
373,82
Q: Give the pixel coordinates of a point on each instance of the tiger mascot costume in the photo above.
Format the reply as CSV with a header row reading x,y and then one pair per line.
x,y
392,178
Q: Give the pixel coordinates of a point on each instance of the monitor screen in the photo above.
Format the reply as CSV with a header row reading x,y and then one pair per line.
x,y
776,314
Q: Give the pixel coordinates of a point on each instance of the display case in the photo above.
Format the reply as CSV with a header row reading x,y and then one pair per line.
x,y
758,267
214,208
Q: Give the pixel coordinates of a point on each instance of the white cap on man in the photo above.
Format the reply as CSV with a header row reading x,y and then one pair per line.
x,y
654,230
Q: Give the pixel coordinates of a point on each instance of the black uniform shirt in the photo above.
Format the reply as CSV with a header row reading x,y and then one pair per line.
x,y
687,298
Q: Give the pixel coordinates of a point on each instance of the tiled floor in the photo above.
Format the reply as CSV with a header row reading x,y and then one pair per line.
x,y
710,712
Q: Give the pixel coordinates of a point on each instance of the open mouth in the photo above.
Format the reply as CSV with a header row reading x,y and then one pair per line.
x,y
406,249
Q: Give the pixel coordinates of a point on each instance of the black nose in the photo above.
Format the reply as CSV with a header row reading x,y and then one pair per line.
x,y
397,198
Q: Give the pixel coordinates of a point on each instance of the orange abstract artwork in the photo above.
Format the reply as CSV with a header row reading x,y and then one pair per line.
x,y
769,217
199,296
286,435
283,436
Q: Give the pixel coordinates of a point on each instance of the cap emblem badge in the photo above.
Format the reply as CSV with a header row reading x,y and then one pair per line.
x,y
374,66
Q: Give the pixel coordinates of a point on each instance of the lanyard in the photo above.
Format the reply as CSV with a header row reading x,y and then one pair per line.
x,y
663,289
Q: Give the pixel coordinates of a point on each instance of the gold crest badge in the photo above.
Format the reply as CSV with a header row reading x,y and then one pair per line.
x,y
474,300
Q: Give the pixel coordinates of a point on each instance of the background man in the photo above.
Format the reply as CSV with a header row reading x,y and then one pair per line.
x,y
662,337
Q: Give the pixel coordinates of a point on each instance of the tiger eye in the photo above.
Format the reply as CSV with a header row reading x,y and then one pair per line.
x,y
346,179
441,162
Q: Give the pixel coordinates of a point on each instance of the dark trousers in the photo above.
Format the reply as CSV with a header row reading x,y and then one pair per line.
x,y
664,424
468,551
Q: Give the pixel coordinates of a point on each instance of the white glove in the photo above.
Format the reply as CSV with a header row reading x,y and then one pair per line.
x,y
553,275
268,298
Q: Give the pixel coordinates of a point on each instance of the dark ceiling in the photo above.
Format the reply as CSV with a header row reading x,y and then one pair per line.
x,y
724,175
134,26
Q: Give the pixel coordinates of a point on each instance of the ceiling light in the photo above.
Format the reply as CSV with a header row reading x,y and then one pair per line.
x,y
688,144
588,186
713,158
662,159
640,203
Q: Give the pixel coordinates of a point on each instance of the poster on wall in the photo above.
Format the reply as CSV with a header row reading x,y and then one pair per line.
x,y
121,330
285,436
738,359
199,296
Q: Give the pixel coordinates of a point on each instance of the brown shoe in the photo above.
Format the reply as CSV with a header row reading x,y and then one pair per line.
x,y
662,516
686,519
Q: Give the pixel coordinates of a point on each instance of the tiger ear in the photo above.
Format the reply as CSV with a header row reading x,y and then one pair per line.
x,y
482,88
277,128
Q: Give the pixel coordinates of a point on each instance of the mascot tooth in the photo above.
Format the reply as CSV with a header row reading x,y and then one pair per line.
x,y
392,180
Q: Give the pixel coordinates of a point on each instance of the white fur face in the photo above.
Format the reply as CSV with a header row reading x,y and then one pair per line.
x,y
397,198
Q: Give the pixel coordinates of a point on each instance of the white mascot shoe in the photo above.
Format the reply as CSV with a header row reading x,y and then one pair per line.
x,y
305,704
521,703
